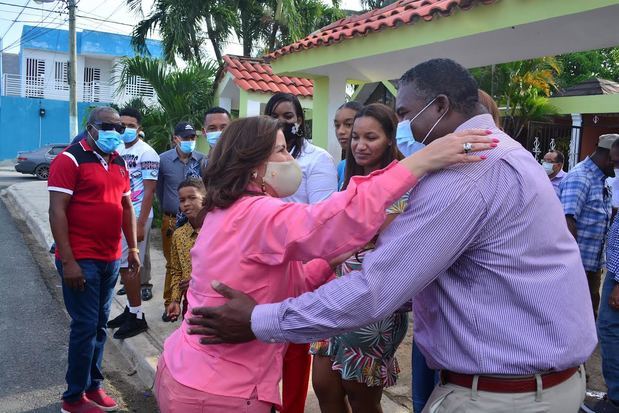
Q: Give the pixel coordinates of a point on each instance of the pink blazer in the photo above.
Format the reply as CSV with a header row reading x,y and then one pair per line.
x,y
272,250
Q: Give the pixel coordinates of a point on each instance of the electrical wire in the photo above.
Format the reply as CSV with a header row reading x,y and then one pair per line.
x,y
15,20
32,34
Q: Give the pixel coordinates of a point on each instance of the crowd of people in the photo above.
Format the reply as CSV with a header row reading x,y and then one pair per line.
x,y
277,255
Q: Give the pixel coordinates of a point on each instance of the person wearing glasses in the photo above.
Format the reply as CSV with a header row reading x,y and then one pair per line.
x,y
89,205
176,165
587,205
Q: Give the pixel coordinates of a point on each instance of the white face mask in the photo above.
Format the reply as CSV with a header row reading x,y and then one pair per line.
x,y
283,177
548,167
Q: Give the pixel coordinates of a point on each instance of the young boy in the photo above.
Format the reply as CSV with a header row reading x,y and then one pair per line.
x,y
191,193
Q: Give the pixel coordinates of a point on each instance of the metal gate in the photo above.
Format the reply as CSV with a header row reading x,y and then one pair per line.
x,y
545,136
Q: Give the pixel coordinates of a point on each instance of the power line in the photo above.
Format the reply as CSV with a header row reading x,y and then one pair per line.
x,y
77,15
13,23
32,34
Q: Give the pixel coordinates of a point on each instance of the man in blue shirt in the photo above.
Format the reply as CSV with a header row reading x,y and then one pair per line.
x,y
587,206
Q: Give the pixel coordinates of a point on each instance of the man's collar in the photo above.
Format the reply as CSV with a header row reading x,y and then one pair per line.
x,y
86,147
192,156
592,166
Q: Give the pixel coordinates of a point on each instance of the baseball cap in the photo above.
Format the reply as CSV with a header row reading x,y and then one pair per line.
x,y
607,140
184,129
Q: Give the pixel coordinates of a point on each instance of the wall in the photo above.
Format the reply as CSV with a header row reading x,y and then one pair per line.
x,y
592,131
19,123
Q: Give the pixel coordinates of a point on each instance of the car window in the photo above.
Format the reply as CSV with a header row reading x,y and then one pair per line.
x,y
56,150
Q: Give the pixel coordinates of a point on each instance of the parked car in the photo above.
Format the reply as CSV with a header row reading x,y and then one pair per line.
x,y
37,162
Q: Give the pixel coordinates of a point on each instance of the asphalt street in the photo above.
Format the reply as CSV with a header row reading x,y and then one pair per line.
x,y
34,329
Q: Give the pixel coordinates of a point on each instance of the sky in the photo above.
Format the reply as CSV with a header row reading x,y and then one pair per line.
x,y
117,15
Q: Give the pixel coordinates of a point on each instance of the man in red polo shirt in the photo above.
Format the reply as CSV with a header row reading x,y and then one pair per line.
x,y
90,202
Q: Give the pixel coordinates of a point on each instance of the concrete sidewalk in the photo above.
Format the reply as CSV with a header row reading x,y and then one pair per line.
x,y
30,202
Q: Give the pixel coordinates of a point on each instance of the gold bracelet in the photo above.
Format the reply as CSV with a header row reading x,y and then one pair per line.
x,y
134,250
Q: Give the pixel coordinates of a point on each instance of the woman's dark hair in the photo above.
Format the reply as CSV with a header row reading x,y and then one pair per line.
x,y
193,182
244,145
388,121
354,105
269,110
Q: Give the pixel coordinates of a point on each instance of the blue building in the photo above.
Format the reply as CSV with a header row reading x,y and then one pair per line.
x,y
34,91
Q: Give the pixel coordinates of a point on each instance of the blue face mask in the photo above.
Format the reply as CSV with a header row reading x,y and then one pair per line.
x,y
212,138
130,135
187,146
108,140
407,144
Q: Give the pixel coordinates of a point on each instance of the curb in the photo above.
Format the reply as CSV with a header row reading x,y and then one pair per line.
x,y
141,351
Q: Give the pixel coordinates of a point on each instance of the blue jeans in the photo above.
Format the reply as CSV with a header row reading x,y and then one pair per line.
x,y
89,310
608,333
424,380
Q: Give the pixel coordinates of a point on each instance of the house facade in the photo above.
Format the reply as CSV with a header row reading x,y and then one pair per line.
x,y
34,87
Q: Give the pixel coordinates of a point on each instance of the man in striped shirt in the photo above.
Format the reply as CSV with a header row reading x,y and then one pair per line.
x,y
499,292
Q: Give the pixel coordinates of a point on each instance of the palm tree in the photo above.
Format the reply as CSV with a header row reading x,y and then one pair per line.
x,y
182,94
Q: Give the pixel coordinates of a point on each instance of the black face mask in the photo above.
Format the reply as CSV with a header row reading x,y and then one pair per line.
x,y
291,132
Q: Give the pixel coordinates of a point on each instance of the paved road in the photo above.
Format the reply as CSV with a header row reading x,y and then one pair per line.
x,y
34,329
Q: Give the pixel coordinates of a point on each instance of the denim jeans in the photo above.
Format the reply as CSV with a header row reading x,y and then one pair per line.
x,y
608,333
89,310
424,380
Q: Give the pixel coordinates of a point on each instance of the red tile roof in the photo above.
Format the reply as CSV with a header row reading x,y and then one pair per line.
x,y
255,75
392,16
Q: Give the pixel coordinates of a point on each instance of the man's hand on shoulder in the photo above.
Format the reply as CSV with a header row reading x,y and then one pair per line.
x,y
229,323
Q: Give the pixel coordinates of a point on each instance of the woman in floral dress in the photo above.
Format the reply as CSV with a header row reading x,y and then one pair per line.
x,y
351,370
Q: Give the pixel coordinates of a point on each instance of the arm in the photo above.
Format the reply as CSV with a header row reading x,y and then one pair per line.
x,y
129,230
406,260
176,273
147,204
322,179
574,190
316,273
159,187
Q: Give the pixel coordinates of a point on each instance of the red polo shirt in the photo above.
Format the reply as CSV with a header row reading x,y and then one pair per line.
x,y
95,210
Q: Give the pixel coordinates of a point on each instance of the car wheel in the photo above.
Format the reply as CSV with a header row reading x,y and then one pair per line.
x,y
42,172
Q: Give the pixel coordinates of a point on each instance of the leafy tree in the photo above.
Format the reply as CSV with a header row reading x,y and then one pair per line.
x,y
182,94
581,66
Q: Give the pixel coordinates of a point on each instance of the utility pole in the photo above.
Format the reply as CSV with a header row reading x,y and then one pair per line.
x,y
72,72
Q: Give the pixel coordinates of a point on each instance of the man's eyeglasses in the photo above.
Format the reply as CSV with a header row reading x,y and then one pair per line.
x,y
107,126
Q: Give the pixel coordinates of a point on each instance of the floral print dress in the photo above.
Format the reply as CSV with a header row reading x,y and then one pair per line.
x,y
367,355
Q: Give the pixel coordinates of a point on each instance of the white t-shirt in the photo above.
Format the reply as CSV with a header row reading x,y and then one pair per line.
x,y
143,163
319,176
613,183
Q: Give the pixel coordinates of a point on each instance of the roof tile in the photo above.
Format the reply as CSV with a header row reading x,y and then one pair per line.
x,y
396,14
256,75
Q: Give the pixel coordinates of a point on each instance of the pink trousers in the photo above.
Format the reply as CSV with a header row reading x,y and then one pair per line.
x,y
173,397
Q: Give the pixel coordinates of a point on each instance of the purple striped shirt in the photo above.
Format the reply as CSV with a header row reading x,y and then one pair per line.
x,y
483,249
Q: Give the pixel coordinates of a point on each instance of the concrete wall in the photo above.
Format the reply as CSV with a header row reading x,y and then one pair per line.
x,y
22,129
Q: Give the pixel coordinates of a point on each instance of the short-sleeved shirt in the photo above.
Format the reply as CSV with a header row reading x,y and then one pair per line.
x,y
183,240
95,211
585,196
143,164
172,171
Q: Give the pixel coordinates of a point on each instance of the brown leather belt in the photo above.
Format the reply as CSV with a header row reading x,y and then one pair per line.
x,y
497,384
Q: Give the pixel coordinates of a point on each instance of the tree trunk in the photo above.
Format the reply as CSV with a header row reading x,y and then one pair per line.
x,y
273,36
212,37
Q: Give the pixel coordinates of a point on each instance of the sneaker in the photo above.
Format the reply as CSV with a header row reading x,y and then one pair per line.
x,y
81,406
165,318
102,400
131,327
119,320
599,406
147,292
122,291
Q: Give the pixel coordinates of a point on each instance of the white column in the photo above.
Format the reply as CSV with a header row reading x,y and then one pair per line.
x,y
225,103
337,97
575,140
253,108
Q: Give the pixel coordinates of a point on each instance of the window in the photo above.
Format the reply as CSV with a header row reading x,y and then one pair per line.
x,y
136,86
61,76
92,84
56,150
35,77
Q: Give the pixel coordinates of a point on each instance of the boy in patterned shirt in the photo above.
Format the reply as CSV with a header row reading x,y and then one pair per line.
x,y
191,194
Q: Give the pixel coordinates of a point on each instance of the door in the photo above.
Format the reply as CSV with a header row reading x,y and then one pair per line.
x,y
92,84
35,78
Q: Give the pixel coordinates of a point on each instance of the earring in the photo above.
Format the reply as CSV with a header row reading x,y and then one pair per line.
x,y
254,174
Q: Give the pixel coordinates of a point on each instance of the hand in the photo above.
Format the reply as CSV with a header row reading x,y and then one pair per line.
x,y
341,258
184,284
229,323
449,150
174,310
613,301
141,230
133,264
73,275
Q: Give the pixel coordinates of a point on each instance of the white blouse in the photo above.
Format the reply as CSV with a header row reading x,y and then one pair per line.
x,y
319,175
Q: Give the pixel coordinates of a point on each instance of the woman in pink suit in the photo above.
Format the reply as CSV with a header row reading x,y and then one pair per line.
x,y
254,242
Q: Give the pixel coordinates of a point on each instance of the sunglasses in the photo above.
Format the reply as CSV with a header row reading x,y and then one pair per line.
x,y
107,126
